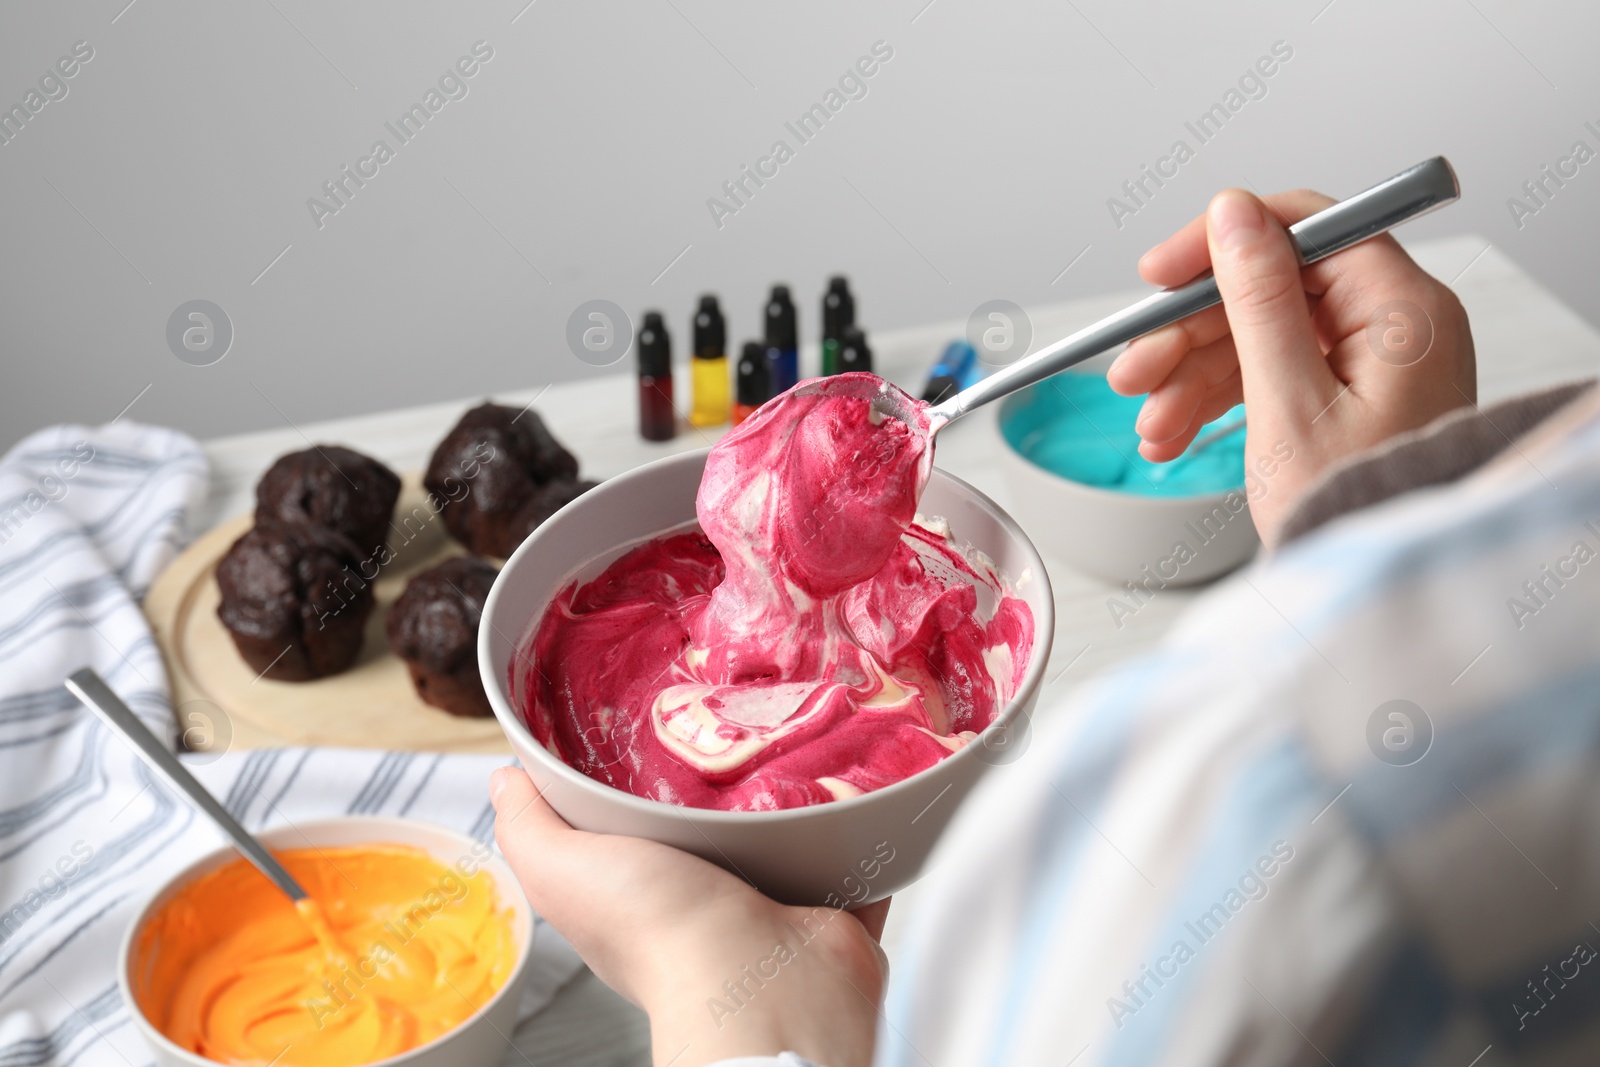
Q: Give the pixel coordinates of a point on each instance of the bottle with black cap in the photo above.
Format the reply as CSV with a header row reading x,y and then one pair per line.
x,y
854,355
752,386
838,315
708,366
783,341
657,418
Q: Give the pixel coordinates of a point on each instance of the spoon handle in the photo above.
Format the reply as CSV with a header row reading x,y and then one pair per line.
x,y
97,696
1408,195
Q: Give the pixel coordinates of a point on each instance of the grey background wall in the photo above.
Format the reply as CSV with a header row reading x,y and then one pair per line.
x,y
577,161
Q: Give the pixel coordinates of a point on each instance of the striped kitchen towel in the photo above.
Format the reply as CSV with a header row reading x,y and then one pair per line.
x,y
88,517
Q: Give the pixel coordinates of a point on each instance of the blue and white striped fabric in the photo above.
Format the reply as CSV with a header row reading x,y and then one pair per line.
x,y
87,520
1347,813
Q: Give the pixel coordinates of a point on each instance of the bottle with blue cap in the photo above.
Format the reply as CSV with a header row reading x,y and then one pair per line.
x,y
783,341
956,368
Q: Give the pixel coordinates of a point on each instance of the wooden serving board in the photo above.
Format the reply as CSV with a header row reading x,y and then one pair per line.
x,y
371,705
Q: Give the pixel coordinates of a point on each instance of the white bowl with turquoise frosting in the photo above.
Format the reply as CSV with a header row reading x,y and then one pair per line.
x,y
1085,496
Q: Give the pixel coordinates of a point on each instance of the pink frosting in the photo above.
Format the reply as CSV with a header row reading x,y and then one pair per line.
x,y
814,642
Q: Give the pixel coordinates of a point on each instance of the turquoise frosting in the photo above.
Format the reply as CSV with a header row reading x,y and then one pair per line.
x,y
1074,426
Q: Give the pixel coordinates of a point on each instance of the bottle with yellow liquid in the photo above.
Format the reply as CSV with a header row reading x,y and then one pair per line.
x,y
708,365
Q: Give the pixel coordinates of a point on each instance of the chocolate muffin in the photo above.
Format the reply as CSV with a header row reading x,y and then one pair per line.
x,y
498,474
434,628
293,600
335,487
545,503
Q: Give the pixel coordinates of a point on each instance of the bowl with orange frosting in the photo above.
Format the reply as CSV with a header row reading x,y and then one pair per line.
x,y
411,951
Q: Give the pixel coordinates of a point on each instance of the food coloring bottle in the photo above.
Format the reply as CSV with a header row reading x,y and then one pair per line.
x,y
956,369
657,419
752,386
783,341
838,315
854,355
709,366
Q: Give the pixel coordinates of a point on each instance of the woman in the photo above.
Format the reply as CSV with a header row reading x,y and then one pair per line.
x,y
1325,821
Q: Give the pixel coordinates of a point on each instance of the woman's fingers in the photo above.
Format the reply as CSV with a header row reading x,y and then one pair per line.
x,y
1281,361
1167,451
1185,255
1172,404
1169,410
519,806
1300,338
1353,276
538,844
1217,403
1355,282
1147,361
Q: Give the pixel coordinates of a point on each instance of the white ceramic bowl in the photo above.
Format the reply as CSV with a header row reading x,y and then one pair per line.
x,y
1121,537
843,852
477,1042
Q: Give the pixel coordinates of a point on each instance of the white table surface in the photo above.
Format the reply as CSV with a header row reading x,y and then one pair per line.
x,y
1525,338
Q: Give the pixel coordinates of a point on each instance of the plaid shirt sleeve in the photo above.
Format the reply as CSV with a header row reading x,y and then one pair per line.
x,y
1347,813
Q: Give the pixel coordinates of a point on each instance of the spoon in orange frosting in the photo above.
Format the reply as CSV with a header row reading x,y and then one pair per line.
x,y
99,698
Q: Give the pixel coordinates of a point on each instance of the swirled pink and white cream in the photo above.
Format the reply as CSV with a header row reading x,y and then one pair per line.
x,y
816,639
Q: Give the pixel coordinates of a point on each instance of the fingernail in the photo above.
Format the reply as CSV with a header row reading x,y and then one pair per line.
x,y
1144,414
497,786
1236,218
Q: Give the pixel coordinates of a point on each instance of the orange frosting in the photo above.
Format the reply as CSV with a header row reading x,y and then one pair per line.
x,y
393,949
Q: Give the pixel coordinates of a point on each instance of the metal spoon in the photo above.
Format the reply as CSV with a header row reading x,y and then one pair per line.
x,y
1408,195
97,696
